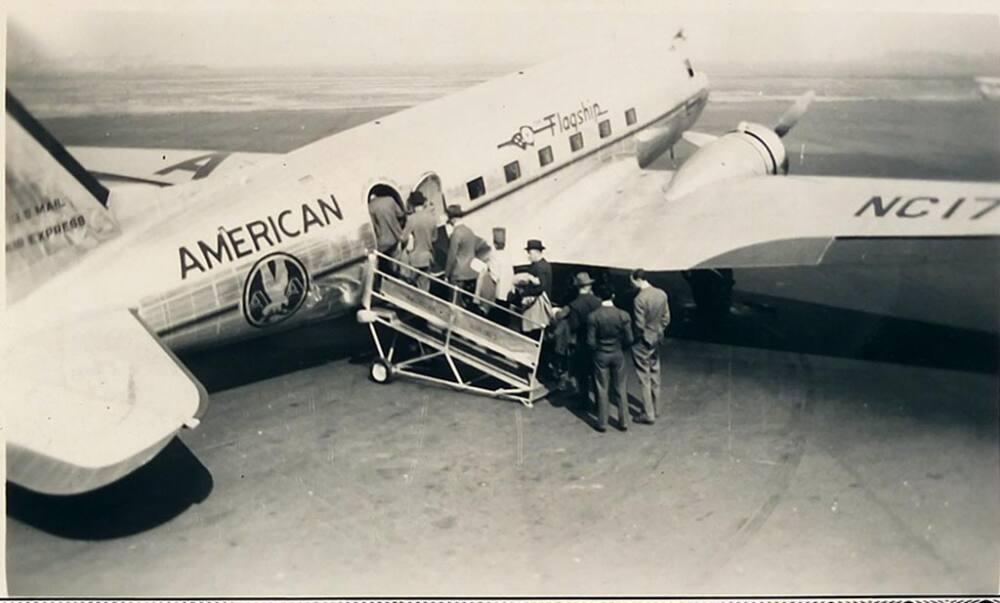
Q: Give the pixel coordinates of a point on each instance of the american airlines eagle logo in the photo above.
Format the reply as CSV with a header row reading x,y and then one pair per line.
x,y
274,289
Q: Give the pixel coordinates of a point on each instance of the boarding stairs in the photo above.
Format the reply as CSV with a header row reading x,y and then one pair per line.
x,y
447,335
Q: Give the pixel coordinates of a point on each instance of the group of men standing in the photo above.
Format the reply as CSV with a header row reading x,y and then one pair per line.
x,y
591,334
604,332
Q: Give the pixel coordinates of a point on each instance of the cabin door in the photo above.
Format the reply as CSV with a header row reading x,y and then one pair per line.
x,y
430,187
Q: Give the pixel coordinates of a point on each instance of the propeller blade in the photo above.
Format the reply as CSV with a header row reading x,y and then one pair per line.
x,y
794,113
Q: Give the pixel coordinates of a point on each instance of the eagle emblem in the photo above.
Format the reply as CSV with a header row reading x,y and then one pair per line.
x,y
275,289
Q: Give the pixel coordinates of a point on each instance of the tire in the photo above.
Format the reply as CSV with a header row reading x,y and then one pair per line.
x,y
381,372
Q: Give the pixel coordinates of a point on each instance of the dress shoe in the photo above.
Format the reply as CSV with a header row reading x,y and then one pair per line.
x,y
645,419
602,428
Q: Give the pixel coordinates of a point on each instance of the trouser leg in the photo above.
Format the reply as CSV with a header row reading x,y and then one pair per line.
x,y
421,280
552,354
386,265
583,369
602,376
618,388
466,299
654,381
642,356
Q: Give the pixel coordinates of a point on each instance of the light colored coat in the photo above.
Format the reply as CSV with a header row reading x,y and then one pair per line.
x,y
652,315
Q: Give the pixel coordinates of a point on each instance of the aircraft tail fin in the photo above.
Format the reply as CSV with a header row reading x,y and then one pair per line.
x,y
56,211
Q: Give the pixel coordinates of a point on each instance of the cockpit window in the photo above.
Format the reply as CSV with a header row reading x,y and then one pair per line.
x,y
687,63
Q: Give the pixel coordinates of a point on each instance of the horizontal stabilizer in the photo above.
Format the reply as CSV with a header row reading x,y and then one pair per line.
x,y
89,401
115,167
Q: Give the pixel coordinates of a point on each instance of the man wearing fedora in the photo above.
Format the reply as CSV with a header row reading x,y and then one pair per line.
x,y
539,282
575,314
461,251
419,233
539,268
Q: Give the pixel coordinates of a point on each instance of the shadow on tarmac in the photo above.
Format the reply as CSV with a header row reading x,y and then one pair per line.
x,y
782,325
755,321
772,323
152,495
245,362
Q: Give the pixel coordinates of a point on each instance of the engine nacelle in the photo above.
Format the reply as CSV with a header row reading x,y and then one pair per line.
x,y
751,150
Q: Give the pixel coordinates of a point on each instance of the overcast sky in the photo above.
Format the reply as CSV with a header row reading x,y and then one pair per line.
x,y
220,34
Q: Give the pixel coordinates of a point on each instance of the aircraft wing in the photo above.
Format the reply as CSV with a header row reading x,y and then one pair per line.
x,y
159,167
90,400
618,217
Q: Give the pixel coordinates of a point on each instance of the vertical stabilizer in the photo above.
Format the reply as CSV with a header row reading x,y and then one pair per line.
x,y
56,211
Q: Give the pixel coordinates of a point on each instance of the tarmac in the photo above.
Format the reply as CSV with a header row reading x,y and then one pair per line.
x,y
770,472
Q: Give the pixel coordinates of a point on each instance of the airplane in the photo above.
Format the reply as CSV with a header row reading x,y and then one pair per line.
x,y
198,248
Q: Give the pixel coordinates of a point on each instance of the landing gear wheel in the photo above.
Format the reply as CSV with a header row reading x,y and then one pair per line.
x,y
381,372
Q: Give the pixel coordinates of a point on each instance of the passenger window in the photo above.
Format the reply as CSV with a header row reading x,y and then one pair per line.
x,y
605,128
576,142
630,117
512,171
545,156
477,188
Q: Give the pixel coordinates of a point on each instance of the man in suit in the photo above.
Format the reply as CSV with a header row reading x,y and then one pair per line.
x,y
536,280
387,220
609,333
539,268
461,251
575,314
652,315
422,226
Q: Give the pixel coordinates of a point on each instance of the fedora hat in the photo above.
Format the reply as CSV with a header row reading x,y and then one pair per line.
x,y
582,279
534,244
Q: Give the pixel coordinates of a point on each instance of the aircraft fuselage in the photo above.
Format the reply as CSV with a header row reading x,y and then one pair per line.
x,y
283,243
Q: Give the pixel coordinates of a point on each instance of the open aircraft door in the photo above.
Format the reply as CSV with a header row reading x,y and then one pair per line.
x,y
430,186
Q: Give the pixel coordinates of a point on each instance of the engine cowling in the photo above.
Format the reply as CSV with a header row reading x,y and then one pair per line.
x,y
751,150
